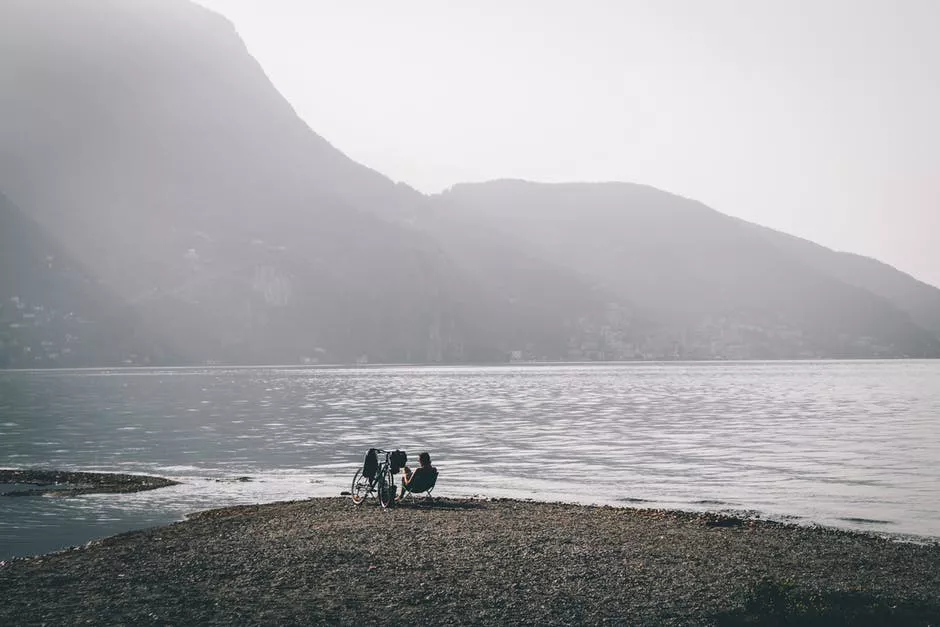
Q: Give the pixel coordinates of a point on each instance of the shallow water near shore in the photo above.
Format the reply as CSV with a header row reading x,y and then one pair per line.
x,y
846,444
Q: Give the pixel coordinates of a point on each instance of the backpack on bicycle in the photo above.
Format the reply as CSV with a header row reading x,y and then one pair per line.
x,y
397,460
371,464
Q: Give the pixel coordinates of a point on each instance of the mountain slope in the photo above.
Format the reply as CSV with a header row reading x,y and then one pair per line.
x,y
53,313
920,300
707,277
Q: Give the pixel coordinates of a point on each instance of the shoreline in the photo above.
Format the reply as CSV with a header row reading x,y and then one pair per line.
x,y
482,364
471,561
69,483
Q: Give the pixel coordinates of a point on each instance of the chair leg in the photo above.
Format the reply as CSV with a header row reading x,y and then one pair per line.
x,y
406,493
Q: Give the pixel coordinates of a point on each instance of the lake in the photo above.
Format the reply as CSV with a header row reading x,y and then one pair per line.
x,y
846,444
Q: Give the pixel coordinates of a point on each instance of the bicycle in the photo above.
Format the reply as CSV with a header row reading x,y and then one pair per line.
x,y
382,481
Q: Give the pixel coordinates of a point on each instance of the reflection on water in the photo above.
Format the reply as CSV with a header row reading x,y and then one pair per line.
x,y
851,444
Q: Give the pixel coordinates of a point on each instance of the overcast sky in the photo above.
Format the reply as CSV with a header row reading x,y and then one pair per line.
x,y
815,117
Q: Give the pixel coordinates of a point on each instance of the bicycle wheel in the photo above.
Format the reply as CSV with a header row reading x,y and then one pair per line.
x,y
361,487
386,487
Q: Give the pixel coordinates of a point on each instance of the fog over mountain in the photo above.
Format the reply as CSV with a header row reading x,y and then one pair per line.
x,y
161,190
52,311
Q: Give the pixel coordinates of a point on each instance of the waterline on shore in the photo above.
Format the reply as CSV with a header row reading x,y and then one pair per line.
x,y
36,525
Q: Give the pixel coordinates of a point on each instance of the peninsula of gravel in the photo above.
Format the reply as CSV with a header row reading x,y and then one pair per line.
x,y
67,483
471,561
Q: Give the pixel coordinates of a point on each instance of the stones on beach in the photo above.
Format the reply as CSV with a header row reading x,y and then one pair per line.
x,y
323,561
713,520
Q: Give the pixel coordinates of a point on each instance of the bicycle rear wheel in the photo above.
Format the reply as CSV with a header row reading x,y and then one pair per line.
x,y
361,487
386,487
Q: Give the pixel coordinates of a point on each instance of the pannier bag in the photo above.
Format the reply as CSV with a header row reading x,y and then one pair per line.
x,y
398,459
371,464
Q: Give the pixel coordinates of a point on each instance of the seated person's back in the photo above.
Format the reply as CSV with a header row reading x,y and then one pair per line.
x,y
422,478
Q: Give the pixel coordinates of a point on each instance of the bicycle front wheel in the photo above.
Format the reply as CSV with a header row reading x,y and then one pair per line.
x,y
386,488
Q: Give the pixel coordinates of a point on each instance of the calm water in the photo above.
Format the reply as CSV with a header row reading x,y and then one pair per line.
x,y
851,444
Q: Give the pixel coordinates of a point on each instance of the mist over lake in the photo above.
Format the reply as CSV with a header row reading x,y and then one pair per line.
x,y
847,444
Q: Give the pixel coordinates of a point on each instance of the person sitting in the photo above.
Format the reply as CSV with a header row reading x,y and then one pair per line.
x,y
422,479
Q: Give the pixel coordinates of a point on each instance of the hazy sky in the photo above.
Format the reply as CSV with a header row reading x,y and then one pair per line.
x,y
817,117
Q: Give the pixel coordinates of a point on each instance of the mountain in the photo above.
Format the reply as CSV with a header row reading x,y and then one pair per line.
x,y
52,311
193,217
144,139
718,286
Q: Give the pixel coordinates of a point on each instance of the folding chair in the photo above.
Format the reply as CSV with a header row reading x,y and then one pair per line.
x,y
419,487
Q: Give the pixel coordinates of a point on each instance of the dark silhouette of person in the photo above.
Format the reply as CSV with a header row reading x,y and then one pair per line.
x,y
422,478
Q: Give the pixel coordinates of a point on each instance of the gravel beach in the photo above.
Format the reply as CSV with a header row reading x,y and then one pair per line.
x,y
452,561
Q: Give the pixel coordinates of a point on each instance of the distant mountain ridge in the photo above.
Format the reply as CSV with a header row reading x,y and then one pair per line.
x,y
145,145
710,278
920,300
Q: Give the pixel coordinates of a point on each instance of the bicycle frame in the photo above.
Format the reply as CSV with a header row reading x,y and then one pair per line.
x,y
382,484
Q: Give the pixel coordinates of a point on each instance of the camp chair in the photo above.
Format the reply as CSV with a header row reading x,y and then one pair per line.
x,y
419,487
